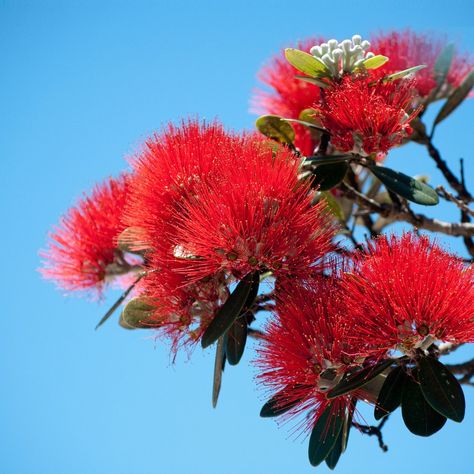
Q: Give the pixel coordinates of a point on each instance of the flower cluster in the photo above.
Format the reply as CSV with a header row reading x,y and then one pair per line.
x,y
212,207
399,295
204,215
354,90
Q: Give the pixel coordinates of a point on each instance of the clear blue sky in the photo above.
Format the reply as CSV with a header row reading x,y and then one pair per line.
x,y
81,84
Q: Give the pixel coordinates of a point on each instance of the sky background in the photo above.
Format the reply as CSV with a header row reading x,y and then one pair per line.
x,y
81,85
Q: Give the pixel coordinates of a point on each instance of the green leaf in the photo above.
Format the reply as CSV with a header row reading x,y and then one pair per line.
x,y
324,435
455,98
404,73
333,457
328,159
390,396
122,298
276,128
358,379
443,63
417,413
275,406
441,389
235,340
136,314
328,176
314,81
333,205
306,63
219,362
230,310
406,186
375,62
309,115
306,124
341,442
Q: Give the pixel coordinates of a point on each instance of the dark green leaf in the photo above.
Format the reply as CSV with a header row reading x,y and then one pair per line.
x,y
119,301
219,362
230,310
441,389
235,340
358,379
333,457
390,395
324,435
417,413
276,407
328,159
306,63
341,442
276,128
406,186
328,176
456,98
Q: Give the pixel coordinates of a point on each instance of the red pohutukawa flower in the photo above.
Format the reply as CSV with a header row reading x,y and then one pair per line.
x,y
404,293
257,217
214,206
306,350
289,96
406,49
83,253
367,117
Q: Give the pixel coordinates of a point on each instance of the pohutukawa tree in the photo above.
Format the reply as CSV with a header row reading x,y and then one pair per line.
x,y
205,215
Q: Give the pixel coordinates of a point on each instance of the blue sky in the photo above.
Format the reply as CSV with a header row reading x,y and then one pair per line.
x,y
82,84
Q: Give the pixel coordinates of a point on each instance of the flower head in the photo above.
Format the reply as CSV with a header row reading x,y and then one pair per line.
x,y
406,49
306,350
258,217
214,206
82,252
405,293
367,117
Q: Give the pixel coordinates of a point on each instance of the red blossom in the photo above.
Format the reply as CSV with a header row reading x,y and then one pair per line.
x,y
406,49
367,117
306,350
258,216
407,292
213,206
289,95
82,252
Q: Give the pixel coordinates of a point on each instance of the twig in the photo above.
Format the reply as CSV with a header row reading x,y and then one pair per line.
x,y
374,431
442,192
453,181
466,369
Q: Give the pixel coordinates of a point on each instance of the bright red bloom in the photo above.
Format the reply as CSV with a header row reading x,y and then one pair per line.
x,y
367,117
289,95
407,292
258,216
406,49
82,253
306,350
212,207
